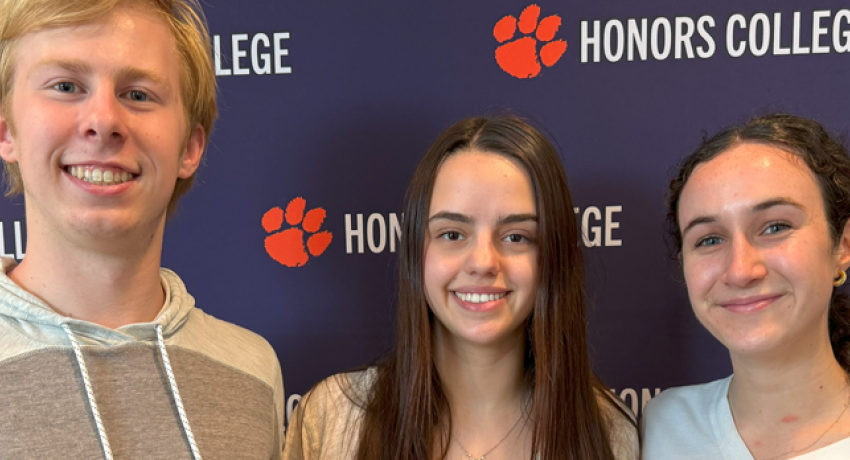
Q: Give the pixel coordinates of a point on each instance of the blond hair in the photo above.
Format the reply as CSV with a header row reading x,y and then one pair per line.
x,y
187,24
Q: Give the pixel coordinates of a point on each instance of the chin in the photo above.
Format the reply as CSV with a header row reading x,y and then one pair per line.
x,y
491,336
108,225
751,345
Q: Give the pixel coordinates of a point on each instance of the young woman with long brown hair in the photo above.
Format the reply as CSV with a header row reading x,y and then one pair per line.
x,y
491,358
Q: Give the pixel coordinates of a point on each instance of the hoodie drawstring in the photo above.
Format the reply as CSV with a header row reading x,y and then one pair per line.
x,y
178,401
176,393
101,432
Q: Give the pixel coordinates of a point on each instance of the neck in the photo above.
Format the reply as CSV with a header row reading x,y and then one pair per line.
x,y
789,389
110,282
485,392
480,381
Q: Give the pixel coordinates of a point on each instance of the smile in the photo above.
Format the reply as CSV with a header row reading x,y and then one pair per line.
x,y
750,304
479,298
100,176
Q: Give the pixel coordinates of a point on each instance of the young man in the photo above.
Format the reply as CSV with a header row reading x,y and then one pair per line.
x,y
107,106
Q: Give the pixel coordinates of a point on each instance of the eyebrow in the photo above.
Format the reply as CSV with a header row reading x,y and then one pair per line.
x,y
73,65
763,206
464,219
127,73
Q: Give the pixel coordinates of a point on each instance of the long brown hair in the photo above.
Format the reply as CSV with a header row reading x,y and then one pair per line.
x,y
406,408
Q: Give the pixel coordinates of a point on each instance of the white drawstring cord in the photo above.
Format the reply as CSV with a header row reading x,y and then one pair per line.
x,y
101,431
176,393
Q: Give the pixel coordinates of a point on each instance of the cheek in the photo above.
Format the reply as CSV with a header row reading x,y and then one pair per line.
x,y
437,272
700,275
807,273
522,274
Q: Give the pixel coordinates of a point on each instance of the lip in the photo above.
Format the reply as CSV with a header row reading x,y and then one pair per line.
x,y
482,306
750,304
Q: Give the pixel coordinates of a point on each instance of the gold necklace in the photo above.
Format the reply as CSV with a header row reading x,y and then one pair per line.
x,y
468,455
819,437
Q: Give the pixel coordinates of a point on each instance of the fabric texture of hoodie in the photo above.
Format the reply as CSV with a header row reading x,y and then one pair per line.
x,y
184,386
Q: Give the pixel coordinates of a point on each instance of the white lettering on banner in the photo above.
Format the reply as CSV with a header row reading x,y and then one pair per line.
x,y
662,36
19,241
765,34
593,235
266,54
291,402
378,230
684,37
630,397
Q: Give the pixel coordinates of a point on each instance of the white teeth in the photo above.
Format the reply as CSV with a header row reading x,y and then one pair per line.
x,y
479,298
99,176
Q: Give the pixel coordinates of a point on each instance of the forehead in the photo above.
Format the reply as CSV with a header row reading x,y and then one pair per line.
x,y
482,180
128,37
746,175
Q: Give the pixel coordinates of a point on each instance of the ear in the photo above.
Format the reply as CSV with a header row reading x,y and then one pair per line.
x,y
843,249
191,158
7,144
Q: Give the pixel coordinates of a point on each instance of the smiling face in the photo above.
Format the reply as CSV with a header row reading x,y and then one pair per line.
x,y
758,258
480,266
99,129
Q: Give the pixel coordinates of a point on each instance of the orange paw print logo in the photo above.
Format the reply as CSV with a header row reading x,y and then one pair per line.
x,y
287,246
519,57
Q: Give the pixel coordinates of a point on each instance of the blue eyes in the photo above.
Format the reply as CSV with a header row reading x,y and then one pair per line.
x,y
65,87
709,241
776,228
138,96
771,229
71,88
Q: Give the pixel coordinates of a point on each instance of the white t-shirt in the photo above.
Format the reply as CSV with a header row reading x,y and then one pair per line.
x,y
695,422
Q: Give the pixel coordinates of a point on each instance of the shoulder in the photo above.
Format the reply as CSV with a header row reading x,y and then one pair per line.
x,y
230,345
190,328
622,427
687,403
326,423
343,394
681,420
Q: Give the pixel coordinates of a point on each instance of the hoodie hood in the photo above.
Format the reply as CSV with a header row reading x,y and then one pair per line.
x,y
36,320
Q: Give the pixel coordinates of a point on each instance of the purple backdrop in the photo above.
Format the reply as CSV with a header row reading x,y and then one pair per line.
x,y
336,102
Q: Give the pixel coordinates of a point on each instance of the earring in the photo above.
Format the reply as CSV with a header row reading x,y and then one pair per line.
x,y
842,277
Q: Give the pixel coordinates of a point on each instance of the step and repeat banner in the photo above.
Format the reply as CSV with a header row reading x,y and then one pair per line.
x,y
330,105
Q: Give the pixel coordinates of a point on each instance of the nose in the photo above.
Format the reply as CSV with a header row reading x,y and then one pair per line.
x,y
103,118
745,264
483,257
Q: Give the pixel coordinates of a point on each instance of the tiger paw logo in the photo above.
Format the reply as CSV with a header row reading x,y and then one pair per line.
x,y
287,246
518,57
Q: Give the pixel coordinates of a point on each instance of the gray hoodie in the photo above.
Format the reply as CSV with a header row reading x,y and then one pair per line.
x,y
183,386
